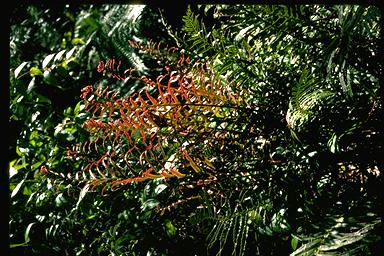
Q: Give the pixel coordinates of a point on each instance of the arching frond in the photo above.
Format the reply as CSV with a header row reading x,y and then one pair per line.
x,y
346,236
305,101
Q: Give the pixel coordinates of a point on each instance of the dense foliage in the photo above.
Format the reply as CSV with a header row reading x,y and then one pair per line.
x,y
227,130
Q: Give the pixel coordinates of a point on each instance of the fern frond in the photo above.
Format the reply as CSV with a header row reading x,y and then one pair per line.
x,y
232,222
305,99
197,33
343,238
188,107
191,23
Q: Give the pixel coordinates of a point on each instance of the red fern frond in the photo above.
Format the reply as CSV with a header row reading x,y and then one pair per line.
x,y
139,130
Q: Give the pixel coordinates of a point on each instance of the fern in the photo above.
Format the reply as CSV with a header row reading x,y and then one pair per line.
x,y
197,127
161,131
198,36
191,23
230,228
123,23
192,27
231,48
345,237
118,25
305,100
230,220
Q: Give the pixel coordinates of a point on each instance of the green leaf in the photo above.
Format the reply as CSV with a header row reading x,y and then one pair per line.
x,y
69,16
160,188
17,167
68,111
149,204
78,40
37,165
77,109
332,144
31,85
17,188
18,151
70,53
170,228
62,72
294,243
59,55
35,72
50,78
19,68
27,190
17,245
72,64
83,192
60,200
27,231
48,59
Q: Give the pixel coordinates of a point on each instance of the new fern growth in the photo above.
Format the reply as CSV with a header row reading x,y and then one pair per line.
x,y
188,114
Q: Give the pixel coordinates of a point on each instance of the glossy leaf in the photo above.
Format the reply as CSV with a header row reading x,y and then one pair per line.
x,y
35,72
28,231
20,68
17,188
47,60
59,55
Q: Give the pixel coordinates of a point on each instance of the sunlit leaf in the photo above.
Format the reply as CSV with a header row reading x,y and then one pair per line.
x,y
27,232
17,188
35,72
20,68
82,194
160,188
59,55
31,85
77,40
47,60
70,53
149,204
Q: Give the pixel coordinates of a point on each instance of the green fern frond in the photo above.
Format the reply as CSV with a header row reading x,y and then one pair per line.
x,y
306,97
343,238
200,39
123,23
228,49
232,221
235,223
191,23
